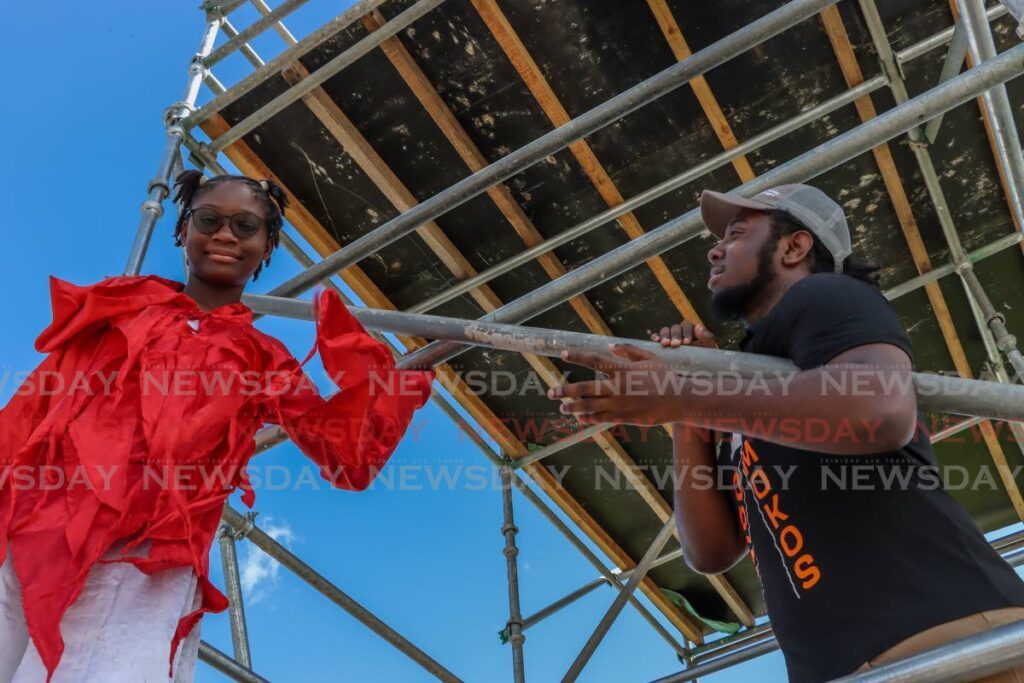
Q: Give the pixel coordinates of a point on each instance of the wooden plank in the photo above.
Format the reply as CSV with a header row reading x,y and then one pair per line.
x,y
894,186
474,159
531,74
246,160
681,49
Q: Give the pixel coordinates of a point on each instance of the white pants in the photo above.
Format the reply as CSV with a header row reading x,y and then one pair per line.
x,y
119,630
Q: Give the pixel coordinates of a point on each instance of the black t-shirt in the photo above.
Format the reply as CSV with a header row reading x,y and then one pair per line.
x,y
854,553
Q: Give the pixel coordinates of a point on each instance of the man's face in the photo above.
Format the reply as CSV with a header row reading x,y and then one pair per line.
x,y
741,265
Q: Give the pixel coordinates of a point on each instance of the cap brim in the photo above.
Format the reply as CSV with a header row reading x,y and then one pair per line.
x,y
718,209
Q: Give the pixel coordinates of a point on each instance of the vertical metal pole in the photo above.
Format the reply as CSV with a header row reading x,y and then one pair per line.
x,y
236,607
1000,114
159,187
515,616
620,601
993,322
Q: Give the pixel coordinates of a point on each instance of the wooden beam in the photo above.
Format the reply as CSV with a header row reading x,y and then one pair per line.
x,y
894,186
474,159
320,239
674,36
538,85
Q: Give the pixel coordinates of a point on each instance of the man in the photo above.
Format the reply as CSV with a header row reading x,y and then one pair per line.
x,y
862,556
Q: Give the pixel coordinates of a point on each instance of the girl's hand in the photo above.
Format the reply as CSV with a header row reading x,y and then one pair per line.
x,y
685,334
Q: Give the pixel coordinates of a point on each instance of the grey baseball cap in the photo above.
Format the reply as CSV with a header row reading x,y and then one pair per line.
x,y
808,206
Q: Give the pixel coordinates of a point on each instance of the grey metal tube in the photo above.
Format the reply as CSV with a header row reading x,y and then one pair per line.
x,y
955,429
236,605
588,588
227,666
286,58
997,102
975,256
514,627
159,187
604,114
954,61
1004,341
941,38
902,118
293,564
252,31
620,601
560,445
649,195
966,659
448,409
760,648
321,75
935,392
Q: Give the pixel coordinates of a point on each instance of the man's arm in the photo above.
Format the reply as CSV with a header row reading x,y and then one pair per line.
x,y
876,413
860,402
709,531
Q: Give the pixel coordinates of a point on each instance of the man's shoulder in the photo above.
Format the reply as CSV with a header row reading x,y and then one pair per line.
x,y
830,292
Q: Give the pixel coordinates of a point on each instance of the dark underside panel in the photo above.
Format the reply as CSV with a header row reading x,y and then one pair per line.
x,y
589,51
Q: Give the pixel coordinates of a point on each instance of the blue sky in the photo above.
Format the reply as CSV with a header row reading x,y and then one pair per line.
x,y
86,91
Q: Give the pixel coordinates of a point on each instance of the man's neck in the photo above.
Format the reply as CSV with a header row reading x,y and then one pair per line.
x,y
769,298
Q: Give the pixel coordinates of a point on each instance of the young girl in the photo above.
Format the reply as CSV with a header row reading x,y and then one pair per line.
x,y
122,446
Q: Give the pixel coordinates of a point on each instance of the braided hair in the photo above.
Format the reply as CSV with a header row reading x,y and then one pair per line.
x,y
191,184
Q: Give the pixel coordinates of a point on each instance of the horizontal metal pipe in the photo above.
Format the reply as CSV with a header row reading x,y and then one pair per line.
x,y
321,75
898,120
295,565
935,392
941,38
283,60
597,118
560,445
966,659
975,256
708,668
226,665
649,195
252,31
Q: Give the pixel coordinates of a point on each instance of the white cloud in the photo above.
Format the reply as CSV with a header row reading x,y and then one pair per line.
x,y
257,570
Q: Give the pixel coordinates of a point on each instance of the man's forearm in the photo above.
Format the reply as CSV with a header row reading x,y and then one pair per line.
x,y
709,533
799,412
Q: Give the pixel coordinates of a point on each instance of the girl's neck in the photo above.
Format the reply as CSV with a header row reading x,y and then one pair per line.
x,y
209,297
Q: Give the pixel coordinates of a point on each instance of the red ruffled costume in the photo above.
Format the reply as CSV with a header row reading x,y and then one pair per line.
x,y
121,433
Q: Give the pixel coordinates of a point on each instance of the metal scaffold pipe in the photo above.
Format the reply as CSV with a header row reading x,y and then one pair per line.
x,y
227,666
321,75
292,563
935,392
861,139
514,627
282,61
997,103
597,118
619,603
159,187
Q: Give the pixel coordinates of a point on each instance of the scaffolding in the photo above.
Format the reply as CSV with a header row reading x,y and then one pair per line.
x,y
233,118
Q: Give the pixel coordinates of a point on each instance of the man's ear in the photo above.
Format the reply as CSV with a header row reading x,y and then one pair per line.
x,y
268,251
798,247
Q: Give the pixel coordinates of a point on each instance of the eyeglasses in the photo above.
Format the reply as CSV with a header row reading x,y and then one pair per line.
x,y
243,224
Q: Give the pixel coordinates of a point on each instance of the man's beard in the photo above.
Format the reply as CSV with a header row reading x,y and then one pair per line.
x,y
732,303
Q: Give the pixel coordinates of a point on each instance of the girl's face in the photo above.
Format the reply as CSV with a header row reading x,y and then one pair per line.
x,y
223,258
